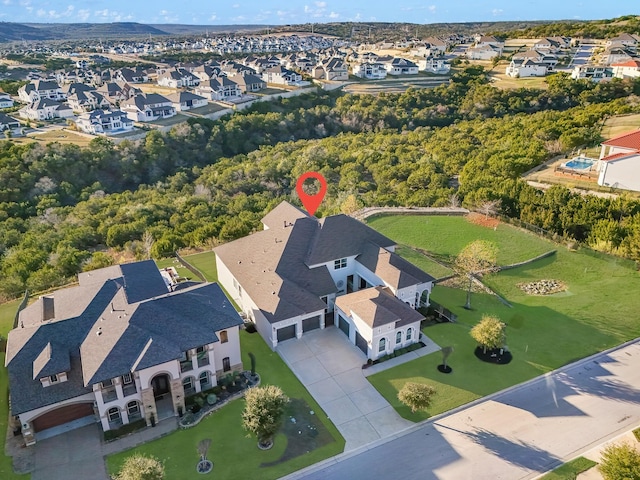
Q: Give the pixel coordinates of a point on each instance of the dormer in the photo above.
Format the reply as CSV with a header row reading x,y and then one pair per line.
x,y
51,365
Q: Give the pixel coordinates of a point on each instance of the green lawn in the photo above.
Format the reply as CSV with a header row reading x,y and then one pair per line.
x,y
7,313
425,263
570,470
598,311
234,454
206,263
448,235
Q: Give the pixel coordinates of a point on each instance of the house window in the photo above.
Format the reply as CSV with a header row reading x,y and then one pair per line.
x,y
409,332
114,415
53,379
126,379
382,345
133,410
187,384
398,337
226,364
203,357
185,362
341,263
224,337
204,380
107,383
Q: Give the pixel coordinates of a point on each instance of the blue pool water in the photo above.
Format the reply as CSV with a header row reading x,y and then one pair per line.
x,y
579,163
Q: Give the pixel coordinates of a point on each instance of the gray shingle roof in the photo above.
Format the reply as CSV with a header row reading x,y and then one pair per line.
x,y
142,281
392,268
377,306
273,266
117,318
340,236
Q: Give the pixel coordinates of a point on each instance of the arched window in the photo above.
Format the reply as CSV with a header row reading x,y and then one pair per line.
x,y
398,337
382,345
409,333
224,337
114,415
204,380
226,364
133,411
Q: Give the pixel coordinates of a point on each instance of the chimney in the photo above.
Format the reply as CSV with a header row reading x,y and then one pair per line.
x,y
48,310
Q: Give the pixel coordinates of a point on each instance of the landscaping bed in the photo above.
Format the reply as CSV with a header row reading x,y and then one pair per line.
x,y
542,287
202,404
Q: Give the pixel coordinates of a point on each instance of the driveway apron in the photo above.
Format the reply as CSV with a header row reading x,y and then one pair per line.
x,y
330,367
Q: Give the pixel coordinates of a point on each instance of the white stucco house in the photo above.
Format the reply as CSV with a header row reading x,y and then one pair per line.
x,y
370,70
619,163
301,273
125,344
147,107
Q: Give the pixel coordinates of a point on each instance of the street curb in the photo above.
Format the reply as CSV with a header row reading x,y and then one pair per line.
x,y
370,446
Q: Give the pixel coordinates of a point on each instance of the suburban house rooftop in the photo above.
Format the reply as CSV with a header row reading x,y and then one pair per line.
x,y
118,320
283,267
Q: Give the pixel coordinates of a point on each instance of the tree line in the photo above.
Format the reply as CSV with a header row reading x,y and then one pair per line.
x,y
207,182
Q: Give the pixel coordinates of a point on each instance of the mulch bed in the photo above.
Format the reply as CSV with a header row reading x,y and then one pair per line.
x,y
494,356
304,433
482,220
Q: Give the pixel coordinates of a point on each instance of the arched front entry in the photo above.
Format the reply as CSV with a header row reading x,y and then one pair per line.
x,y
161,385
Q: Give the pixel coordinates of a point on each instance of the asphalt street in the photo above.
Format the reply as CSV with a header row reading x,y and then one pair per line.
x,y
514,435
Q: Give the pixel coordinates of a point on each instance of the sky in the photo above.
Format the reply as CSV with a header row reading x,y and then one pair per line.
x,y
278,12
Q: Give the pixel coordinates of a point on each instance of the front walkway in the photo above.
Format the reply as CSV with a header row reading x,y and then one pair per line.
x,y
330,367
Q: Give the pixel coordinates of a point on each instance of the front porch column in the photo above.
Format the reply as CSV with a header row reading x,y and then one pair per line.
x,y
299,329
149,405
177,395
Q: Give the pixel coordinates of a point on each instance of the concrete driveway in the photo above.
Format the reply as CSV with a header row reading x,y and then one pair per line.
x,y
75,454
330,367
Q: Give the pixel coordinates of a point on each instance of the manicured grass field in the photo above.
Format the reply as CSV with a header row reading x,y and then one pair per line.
x,y
234,454
425,263
570,470
206,263
598,311
446,236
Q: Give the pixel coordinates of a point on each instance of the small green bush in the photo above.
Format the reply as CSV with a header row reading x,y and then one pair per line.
x,y
636,433
125,430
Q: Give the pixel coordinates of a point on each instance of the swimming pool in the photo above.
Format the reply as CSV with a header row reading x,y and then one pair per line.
x,y
579,163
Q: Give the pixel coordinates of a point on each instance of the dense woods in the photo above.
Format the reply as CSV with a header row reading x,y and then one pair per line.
x,y
62,207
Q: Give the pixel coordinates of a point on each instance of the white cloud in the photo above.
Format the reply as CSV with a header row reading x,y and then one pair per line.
x,y
334,15
113,15
432,8
497,11
83,14
235,5
6,2
321,4
213,17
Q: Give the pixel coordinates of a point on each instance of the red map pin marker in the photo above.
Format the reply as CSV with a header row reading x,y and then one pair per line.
x,y
311,202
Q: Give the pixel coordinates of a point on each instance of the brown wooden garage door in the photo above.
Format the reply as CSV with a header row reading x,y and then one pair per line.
x,y
62,415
